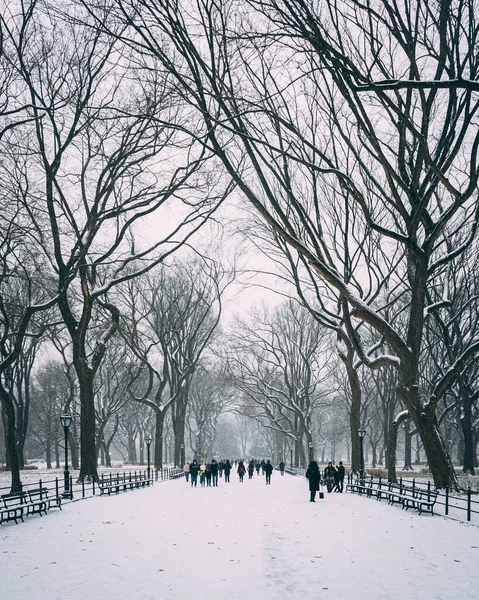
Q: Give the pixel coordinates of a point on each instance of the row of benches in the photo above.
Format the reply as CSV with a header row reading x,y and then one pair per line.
x,y
108,486
407,496
16,505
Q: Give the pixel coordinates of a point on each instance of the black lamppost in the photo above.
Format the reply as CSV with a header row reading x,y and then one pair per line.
x,y
182,454
148,442
66,421
310,451
291,450
361,434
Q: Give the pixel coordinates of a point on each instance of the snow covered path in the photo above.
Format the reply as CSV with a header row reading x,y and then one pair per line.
x,y
243,541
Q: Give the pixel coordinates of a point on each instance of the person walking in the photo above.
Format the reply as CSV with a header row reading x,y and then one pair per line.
x,y
251,469
202,473
281,468
241,471
221,466
339,478
214,472
263,464
268,469
227,469
194,468
313,475
186,471
208,474
329,472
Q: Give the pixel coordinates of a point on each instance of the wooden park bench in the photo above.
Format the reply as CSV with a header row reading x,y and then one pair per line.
x,y
13,506
360,487
407,496
108,486
421,500
39,502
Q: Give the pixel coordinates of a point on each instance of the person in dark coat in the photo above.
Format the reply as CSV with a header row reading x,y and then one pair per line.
x,y
221,466
241,470
268,469
281,468
257,467
208,474
339,478
194,468
227,469
214,472
251,469
313,474
329,472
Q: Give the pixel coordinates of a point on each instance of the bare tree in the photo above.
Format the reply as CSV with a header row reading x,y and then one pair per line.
x,y
170,318
23,298
210,396
104,152
279,362
404,111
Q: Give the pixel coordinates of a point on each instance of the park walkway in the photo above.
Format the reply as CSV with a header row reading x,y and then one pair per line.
x,y
243,541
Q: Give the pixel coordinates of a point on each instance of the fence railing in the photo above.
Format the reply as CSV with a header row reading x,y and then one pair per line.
x,y
85,489
455,505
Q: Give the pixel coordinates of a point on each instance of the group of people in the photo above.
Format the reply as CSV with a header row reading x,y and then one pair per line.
x,y
208,473
333,478
255,465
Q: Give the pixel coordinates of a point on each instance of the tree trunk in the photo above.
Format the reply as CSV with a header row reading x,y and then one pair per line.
x,y
158,441
297,453
439,461
375,455
355,411
48,451
107,455
466,425
475,435
5,438
10,435
392,445
88,453
72,437
333,450
57,455
407,446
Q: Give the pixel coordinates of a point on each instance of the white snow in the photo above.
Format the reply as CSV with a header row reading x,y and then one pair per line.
x,y
243,541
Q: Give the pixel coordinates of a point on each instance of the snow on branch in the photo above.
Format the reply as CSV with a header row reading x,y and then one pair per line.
x,y
397,84
436,306
404,414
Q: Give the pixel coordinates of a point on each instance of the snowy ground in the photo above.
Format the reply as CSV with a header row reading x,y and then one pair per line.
x,y
243,541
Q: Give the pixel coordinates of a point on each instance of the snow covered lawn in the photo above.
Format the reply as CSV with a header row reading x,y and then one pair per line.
x,y
243,541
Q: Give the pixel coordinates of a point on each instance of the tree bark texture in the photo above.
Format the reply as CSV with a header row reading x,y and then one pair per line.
x,y
10,435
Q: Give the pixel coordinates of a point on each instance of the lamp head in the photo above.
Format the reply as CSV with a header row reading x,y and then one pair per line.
x,y
361,433
66,420
148,440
